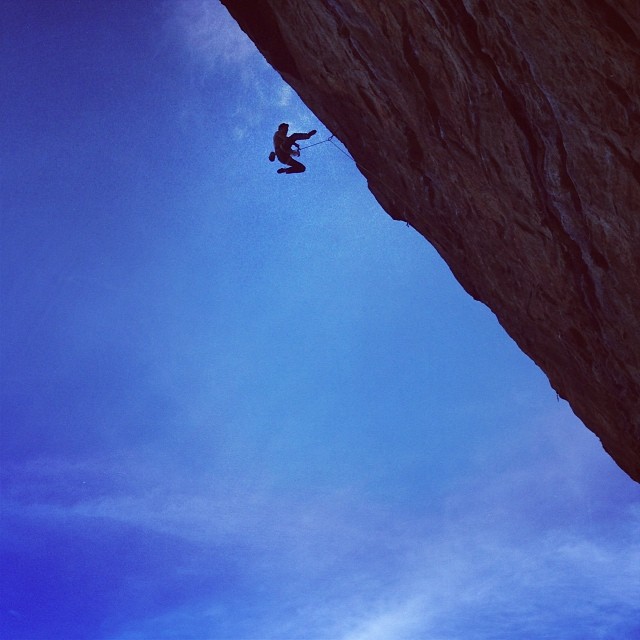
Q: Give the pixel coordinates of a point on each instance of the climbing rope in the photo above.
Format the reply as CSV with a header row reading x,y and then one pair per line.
x,y
341,150
315,144
371,173
400,197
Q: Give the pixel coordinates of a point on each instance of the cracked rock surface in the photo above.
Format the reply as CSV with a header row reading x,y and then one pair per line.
x,y
507,133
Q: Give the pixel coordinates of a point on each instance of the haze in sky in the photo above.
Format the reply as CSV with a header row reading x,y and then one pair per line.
x,y
238,405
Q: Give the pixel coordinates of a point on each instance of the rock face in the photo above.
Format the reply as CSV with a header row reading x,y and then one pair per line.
x,y
507,133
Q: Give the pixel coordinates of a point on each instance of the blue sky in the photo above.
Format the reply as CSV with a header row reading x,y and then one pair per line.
x,y
244,406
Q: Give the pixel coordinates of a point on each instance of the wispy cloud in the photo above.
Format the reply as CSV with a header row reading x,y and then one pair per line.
x,y
285,95
211,34
535,549
253,91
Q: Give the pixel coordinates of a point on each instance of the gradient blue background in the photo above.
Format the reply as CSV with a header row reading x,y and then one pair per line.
x,y
238,405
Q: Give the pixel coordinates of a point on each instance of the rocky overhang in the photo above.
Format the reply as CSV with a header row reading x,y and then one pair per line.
x,y
507,133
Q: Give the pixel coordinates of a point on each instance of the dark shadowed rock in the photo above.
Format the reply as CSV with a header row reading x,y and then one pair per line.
x,y
507,132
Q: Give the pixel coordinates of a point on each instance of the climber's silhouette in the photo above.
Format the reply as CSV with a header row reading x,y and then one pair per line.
x,y
285,147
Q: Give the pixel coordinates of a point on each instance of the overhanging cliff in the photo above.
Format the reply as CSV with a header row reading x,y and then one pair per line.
x,y
507,133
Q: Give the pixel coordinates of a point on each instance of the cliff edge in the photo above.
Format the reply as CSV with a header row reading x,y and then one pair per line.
x,y
507,133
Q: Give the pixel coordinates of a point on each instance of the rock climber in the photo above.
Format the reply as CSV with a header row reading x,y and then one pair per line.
x,y
286,146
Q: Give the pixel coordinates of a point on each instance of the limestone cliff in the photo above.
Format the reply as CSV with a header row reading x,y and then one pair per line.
x,y
507,133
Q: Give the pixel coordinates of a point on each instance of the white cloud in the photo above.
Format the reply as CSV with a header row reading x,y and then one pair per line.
x,y
211,34
507,554
252,93
401,621
285,95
